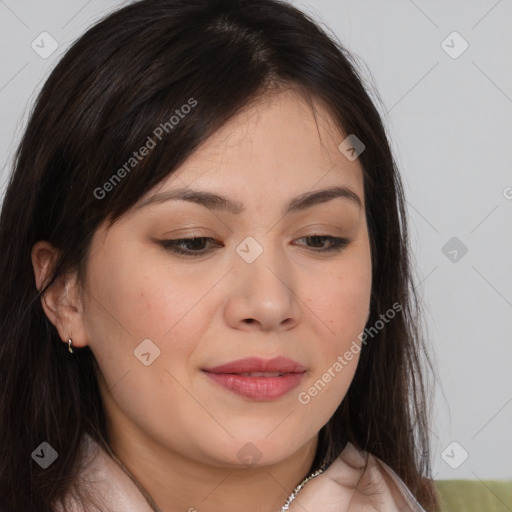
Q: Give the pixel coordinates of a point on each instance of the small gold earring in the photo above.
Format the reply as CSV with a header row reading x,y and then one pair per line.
x,y
69,346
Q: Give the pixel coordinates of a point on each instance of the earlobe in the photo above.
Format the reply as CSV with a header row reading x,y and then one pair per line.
x,y
60,301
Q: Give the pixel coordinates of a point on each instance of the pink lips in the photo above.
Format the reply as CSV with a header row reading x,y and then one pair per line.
x,y
284,374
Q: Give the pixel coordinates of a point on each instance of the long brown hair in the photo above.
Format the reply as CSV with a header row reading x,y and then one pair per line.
x,y
119,81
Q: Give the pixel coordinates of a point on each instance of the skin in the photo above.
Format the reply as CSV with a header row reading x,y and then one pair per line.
x,y
177,431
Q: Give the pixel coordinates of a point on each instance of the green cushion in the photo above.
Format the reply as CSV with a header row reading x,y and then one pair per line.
x,y
475,495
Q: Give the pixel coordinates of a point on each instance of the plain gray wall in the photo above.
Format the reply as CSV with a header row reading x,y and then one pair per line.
x,y
449,117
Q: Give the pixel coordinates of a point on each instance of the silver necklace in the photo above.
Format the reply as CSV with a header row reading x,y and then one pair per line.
x,y
286,506
156,508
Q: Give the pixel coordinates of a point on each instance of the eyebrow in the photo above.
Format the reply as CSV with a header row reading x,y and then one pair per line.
x,y
221,203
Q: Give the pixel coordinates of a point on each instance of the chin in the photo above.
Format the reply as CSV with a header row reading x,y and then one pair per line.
x,y
261,450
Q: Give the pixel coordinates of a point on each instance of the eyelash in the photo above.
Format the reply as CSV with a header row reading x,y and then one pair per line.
x,y
337,245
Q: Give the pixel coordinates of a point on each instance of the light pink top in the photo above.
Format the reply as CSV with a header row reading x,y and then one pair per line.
x,y
326,492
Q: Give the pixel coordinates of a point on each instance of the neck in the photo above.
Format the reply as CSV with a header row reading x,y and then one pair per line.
x,y
176,483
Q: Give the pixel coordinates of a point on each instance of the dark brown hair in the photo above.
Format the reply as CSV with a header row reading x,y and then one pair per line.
x,y
124,77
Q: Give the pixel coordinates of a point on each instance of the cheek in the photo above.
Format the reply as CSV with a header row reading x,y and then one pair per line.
x,y
139,302
122,314
171,309
341,299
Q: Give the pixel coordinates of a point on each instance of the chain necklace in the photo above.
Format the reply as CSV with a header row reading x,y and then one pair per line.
x,y
286,506
156,508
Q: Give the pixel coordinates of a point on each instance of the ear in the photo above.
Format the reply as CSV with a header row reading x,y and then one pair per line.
x,y
61,301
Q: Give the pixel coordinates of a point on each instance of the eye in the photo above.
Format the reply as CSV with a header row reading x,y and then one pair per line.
x,y
199,246
193,246
336,243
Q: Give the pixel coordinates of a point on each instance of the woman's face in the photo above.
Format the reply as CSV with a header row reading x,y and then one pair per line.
x,y
259,286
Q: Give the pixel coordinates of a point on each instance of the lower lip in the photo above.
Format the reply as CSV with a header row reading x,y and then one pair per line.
x,y
258,388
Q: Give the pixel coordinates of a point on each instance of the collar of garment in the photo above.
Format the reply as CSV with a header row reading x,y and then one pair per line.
x,y
107,482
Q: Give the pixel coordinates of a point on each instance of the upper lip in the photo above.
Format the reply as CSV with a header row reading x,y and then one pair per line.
x,y
257,364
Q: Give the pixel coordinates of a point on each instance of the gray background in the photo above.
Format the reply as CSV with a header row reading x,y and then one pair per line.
x,y
450,124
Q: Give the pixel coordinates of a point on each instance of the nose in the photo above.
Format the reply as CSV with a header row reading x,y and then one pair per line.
x,y
263,294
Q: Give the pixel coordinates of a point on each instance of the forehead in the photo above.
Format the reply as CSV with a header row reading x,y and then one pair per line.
x,y
276,143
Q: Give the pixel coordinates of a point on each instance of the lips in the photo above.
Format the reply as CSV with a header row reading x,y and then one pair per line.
x,y
255,364
258,379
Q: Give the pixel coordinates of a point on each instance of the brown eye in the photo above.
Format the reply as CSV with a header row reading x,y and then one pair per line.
x,y
318,242
199,246
196,246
